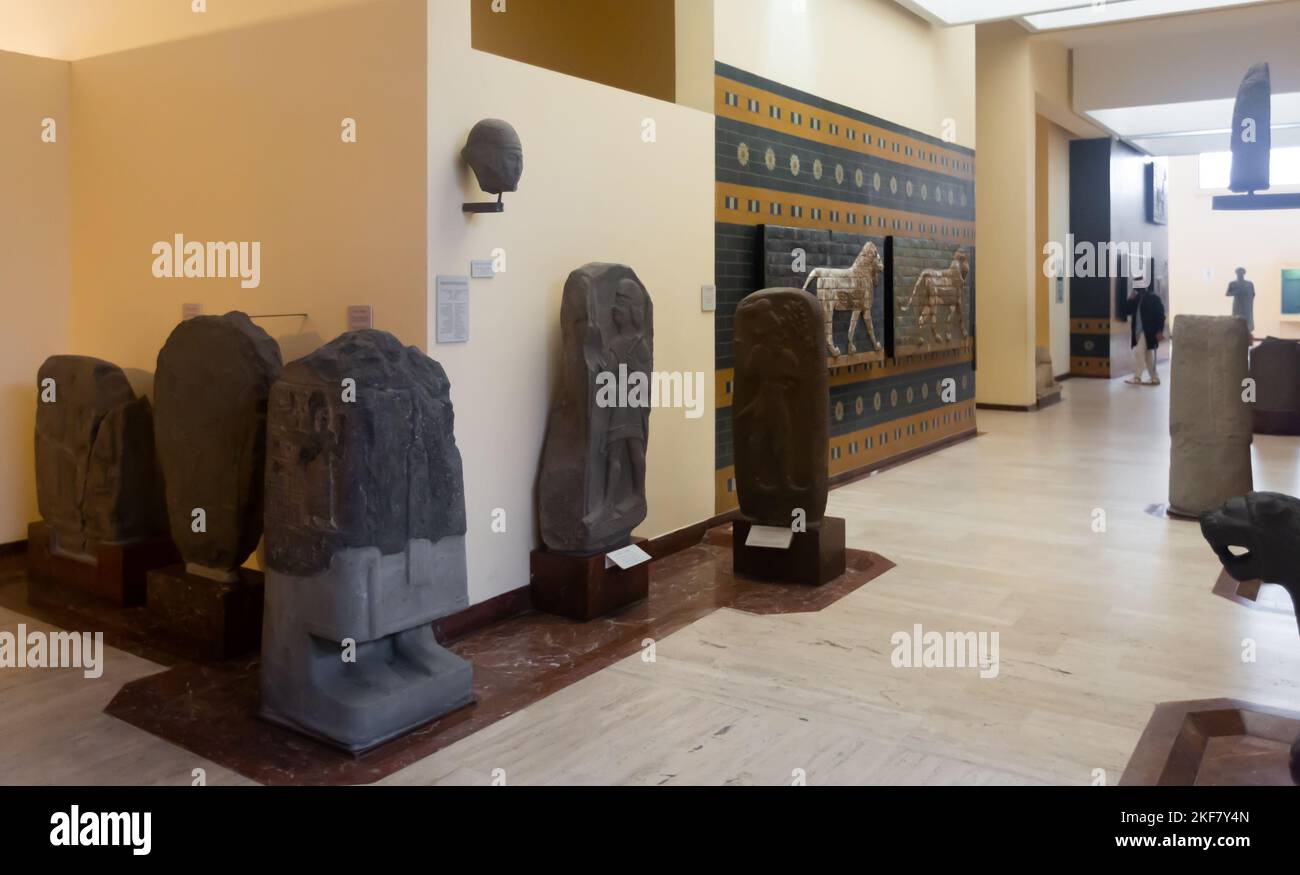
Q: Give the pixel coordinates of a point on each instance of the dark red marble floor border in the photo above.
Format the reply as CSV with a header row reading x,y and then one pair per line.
x,y
209,709
1213,742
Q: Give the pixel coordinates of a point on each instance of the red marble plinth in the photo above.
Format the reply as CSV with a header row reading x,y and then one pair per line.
x,y
581,587
211,709
115,573
222,619
814,557
1214,742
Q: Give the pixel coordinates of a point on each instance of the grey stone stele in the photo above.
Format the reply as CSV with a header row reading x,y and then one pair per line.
x,y
1250,160
97,475
1210,425
365,525
211,387
591,488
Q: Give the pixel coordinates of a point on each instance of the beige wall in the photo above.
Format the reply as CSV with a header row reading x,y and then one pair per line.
x,y
592,190
33,263
1202,240
236,137
1009,266
872,55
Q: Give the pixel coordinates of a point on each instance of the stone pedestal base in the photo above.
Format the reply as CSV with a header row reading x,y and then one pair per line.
x,y
349,655
814,557
581,587
114,573
224,620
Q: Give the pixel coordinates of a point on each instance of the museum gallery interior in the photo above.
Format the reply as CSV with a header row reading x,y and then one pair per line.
x,y
670,392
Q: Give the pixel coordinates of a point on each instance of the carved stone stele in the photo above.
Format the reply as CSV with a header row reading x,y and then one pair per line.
x,y
365,525
1210,424
211,386
591,490
97,476
780,411
1252,138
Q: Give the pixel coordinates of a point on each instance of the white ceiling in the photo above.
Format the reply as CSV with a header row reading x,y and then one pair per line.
x,y
1195,126
1047,15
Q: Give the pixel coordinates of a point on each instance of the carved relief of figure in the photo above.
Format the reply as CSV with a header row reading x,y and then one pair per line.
x,y
591,487
780,413
625,439
849,288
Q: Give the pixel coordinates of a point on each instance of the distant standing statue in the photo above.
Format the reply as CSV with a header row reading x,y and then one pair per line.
x,y
495,154
849,288
1242,292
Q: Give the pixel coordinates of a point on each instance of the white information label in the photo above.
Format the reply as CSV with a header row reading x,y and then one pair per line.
x,y
482,270
360,316
626,557
773,537
453,309
708,298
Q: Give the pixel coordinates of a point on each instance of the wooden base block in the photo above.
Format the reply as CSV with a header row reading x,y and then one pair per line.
x,y
581,587
1217,742
223,620
115,573
813,558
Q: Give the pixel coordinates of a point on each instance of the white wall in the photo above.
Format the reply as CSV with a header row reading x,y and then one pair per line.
x,y
1193,57
592,190
1058,227
872,55
1201,240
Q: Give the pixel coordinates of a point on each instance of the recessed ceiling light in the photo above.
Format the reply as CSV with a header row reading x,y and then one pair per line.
x,y
1125,10
1056,14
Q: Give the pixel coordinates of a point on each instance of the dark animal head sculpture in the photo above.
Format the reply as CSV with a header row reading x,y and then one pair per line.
x,y
1266,526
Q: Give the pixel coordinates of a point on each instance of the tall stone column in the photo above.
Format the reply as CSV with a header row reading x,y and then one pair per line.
x,y
1210,425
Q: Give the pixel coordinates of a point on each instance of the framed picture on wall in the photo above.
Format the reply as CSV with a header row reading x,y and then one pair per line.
x,y
1157,185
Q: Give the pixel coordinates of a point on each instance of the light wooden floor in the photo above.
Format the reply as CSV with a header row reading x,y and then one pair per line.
x,y
992,535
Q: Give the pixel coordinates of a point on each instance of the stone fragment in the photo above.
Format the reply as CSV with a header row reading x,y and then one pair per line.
x,y
1252,136
592,483
97,475
1210,423
365,525
211,386
780,411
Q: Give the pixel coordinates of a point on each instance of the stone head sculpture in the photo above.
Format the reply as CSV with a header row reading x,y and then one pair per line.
x,y
496,156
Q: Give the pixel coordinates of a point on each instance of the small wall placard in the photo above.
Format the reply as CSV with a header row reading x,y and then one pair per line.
x,y
626,557
453,309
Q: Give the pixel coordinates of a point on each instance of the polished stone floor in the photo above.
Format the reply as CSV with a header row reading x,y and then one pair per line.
x,y
996,534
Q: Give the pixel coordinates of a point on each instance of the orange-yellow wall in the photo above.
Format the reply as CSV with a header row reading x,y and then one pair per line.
x,y
33,263
629,45
235,136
